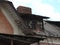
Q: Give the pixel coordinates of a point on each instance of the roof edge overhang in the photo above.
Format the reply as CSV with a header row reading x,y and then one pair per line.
x,y
34,15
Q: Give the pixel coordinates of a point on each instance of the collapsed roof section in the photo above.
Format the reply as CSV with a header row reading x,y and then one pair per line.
x,y
31,20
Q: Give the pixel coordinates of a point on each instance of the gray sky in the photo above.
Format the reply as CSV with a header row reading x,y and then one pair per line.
x,y
50,8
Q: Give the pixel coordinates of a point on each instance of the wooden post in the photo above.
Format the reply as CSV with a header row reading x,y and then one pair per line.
x,y
11,42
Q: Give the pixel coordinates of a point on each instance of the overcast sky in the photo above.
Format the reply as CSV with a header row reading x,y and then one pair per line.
x,y
50,8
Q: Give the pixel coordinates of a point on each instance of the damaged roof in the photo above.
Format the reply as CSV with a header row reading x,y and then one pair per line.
x,y
29,37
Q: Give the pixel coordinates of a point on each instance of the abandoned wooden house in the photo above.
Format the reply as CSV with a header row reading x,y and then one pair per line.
x,y
21,27
13,31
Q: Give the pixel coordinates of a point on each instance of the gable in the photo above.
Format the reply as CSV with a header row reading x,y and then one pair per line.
x,y
5,26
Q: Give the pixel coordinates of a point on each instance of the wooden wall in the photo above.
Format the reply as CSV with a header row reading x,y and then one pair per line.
x,y
5,26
